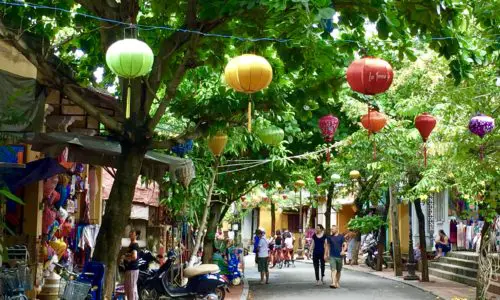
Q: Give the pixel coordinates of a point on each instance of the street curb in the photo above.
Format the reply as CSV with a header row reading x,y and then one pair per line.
x,y
246,288
390,278
398,280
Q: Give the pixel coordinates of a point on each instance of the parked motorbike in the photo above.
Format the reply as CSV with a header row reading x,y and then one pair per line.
x,y
204,283
370,253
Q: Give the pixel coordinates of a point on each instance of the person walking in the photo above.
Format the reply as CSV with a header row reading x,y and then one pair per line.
x,y
263,258
335,248
318,252
289,241
132,267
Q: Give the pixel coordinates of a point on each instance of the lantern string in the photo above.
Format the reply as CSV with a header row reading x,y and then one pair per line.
x,y
249,113
168,28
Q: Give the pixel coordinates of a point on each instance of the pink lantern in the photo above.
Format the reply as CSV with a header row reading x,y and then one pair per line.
x,y
328,125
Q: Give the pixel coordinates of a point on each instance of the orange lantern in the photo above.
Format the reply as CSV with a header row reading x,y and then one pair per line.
x,y
217,143
373,121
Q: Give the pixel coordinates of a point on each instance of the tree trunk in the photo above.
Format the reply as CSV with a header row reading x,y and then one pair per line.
x,y
203,222
422,240
382,236
396,243
273,217
328,212
117,214
484,270
212,223
312,217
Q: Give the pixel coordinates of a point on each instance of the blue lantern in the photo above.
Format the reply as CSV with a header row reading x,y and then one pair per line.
x,y
182,149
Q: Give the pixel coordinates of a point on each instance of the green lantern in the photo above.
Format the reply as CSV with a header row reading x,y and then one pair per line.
x,y
272,135
129,58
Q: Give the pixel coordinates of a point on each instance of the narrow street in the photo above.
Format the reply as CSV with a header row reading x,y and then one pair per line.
x,y
298,283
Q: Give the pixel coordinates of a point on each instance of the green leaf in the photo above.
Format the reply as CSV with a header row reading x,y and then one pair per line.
x,y
5,192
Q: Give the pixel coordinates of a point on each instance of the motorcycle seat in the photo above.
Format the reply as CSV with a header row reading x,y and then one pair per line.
x,y
200,270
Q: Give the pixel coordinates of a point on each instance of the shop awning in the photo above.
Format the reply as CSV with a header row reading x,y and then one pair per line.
x,y
100,151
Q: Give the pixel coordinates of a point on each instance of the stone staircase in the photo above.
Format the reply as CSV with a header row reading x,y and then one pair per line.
x,y
460,267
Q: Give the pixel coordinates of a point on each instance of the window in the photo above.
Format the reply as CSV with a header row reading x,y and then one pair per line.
x,y
439,202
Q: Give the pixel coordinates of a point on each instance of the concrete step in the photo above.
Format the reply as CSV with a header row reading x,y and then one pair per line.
x,y
457,261
463,255
452,276
455,269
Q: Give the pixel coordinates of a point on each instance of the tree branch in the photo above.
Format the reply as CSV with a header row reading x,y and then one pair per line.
x,y
75,93
198,132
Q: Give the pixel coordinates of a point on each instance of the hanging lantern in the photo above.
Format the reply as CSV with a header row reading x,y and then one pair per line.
x,y
129,58
299,183
185,175
265,185
328,125
217,143
335,177
182,149
425,123
272,135
370,75
248,74
374,122
285,196
318,180
354,175
480,125
243,198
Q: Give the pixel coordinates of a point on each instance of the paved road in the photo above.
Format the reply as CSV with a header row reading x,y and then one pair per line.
x,y
299,283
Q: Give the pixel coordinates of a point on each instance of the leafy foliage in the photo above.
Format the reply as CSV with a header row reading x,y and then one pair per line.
x,y
365,224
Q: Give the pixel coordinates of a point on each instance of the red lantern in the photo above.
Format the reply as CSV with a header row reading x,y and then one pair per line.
x,y
374,122
265,185
318,179
328,125
370,75
425,123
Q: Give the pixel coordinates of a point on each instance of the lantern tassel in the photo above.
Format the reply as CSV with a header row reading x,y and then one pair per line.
x,y
374,150
127,108
249,115
328,155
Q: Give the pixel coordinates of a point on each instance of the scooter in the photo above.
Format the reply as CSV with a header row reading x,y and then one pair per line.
x,y
204,283
370,252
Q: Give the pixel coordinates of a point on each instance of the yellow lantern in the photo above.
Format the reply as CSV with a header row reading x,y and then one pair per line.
x,y
248,74
299,183
354,174
217,143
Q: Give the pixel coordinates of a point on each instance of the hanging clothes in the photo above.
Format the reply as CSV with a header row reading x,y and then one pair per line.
x,y
453,232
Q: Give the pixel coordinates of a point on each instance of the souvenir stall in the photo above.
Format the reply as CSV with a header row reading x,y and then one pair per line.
x,y
61,206
465,223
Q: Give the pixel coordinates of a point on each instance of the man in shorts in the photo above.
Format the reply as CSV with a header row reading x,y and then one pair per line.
x,y
263,257
335,248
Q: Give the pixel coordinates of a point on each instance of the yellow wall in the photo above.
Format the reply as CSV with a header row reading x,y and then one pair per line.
x,y
265,220
404,229
345,214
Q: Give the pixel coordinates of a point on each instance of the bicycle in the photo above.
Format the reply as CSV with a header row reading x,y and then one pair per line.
x,y
15,282
278,258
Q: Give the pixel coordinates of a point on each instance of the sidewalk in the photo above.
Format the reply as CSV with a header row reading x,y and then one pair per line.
x,y
442,288
240,292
